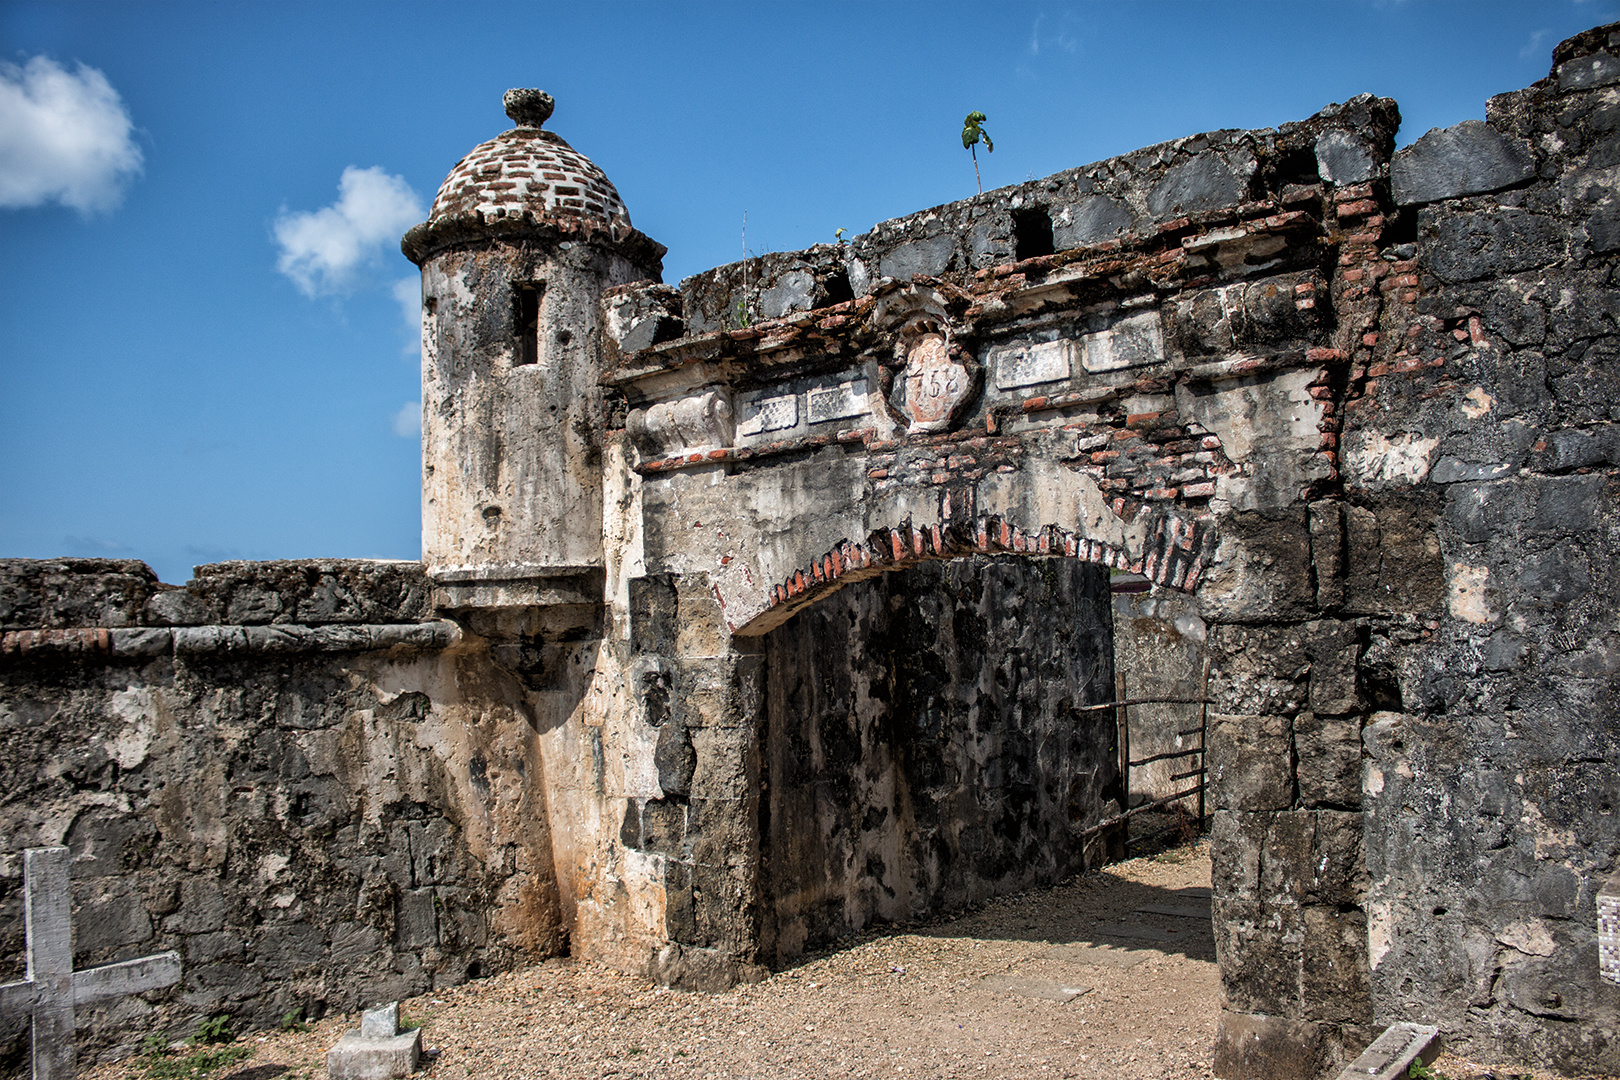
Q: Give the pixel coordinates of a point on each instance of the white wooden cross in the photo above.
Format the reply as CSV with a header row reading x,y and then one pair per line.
x,y
52,989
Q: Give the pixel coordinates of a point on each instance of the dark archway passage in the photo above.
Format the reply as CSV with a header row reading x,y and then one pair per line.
x,y
919,750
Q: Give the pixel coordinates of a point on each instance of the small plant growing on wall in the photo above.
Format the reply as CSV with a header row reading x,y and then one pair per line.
x,y
972,134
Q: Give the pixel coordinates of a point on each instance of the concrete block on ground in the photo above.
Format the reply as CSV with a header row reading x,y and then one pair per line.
x,y
378,1050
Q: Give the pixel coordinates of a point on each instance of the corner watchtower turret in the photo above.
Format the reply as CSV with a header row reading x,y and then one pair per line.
x,y
524,236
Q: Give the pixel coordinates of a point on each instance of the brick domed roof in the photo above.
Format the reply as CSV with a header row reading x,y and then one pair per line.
x,y
528,182
530,171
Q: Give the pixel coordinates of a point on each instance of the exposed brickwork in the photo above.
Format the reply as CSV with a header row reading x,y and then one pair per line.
x,y
529,172
1174,557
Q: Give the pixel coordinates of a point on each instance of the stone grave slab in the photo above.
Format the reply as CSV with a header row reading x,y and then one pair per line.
x,y
1097,955
1040,989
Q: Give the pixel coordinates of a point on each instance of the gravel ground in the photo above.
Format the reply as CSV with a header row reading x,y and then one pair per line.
x,y
1111,974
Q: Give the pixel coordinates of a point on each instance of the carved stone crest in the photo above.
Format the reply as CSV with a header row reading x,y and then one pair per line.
x,y
703,421
936,377
933,386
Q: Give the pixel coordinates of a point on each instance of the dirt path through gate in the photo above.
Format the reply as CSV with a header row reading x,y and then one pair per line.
x,y
1110,975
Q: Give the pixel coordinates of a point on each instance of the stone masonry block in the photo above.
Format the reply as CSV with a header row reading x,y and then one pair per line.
x,y
416,923
1292,857
928,257
722,762
1091,221
1259,670
1204,182
1394,564
1236,843
1334,980
675,759
1260,570
1249,1047
1316,857
1328,752
1344,158
1260,949
1599,69
1249,765
1327,552
1466,159
1334,648
710,970
1459,246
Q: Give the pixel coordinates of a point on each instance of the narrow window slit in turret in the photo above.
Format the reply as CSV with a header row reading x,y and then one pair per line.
x,y
526,321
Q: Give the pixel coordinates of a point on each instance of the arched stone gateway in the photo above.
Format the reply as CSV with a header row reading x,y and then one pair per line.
x,y
759,607
1280,371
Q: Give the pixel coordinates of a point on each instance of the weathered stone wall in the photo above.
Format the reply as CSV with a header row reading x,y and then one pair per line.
x,y
1159,641
1491,789
920,752
1356,406
289,772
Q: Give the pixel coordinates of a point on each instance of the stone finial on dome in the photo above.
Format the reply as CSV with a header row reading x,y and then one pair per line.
x,y
528,108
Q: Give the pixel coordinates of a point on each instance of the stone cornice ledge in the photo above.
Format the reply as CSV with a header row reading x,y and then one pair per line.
x,y
143,643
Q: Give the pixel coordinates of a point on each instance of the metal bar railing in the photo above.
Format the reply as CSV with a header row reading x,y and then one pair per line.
x,y
1168,756
1141,701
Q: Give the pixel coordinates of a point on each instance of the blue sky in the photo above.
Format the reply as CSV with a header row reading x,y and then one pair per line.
x,y
203,354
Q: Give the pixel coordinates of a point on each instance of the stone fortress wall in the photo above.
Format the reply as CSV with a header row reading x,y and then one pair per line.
x,y
293,773
1351,411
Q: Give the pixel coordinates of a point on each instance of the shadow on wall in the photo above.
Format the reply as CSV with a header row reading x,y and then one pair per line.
x,y
920,753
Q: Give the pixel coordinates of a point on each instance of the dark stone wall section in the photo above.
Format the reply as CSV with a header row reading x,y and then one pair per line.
x,y
920,752
1490,785
295,782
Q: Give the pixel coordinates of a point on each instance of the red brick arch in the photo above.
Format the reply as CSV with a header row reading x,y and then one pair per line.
x,y
1173,557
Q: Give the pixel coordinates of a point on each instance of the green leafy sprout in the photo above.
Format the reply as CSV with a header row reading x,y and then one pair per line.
x,y
972,134
216,1029
199,1063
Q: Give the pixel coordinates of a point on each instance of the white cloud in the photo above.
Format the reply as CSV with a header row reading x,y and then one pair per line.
x,y
407,423
408,294
323,250
1533,48
1061,38
64,137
